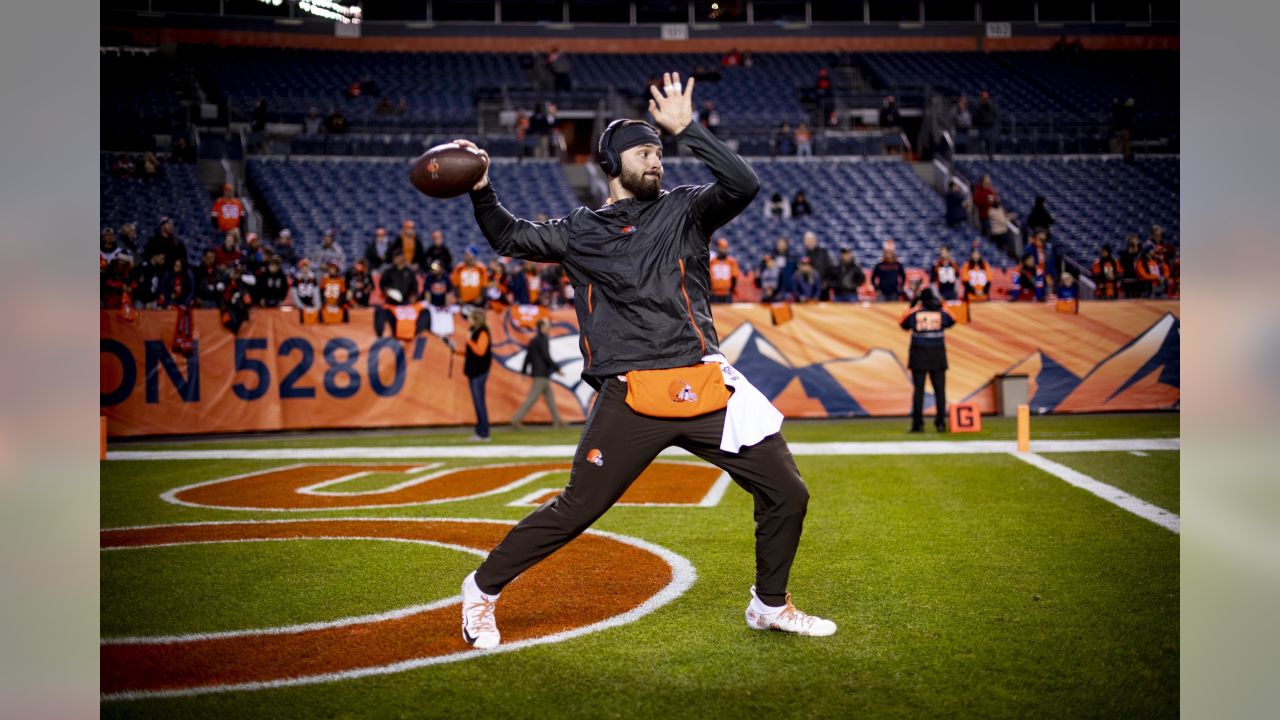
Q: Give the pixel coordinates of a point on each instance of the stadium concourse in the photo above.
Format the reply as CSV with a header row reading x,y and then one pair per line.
x,y
289,493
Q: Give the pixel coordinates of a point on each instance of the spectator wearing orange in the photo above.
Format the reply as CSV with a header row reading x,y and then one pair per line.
x,y
945,274
976,275
1106,274
228,212
724,273
479,359
470,278
410,247
525,286
333,295
1153,274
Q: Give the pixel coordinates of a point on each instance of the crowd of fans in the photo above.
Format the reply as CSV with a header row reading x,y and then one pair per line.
x,y
245,272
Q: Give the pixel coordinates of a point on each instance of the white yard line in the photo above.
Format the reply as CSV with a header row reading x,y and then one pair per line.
x,y
1113,495
925,447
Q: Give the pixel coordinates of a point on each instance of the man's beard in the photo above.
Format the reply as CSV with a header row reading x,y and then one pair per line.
x,y
643,188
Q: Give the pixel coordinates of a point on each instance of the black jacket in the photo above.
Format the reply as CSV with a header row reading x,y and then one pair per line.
x,y
639,268
928,350
845,279
477,364
402,279
537,359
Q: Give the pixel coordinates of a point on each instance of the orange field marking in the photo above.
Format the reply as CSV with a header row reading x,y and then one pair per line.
x,y
296,487
660,485
599,580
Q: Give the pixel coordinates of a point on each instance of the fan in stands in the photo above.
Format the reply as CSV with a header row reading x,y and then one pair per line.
x,y
447,171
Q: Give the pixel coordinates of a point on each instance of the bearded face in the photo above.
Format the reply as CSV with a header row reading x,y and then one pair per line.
x,y
642,172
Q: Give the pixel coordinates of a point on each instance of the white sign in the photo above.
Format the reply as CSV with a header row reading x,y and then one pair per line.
x,y
999,30
672,31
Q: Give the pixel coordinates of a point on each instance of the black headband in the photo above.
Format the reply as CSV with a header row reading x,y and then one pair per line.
x,y
625,138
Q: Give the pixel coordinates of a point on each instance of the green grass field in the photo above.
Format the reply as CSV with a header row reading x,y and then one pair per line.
x,y
964,586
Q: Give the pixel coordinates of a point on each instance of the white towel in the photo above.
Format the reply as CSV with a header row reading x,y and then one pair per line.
x,y
750,417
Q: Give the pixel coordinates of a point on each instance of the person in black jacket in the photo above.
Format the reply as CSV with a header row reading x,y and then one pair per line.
x,y
539,364
640,270
928,357
479,359
399,284
845,278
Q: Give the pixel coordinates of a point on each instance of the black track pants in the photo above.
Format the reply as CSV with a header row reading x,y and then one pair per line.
x,y
627,442
938,378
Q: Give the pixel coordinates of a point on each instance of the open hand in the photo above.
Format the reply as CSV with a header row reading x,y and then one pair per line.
x,y
484,180
672,106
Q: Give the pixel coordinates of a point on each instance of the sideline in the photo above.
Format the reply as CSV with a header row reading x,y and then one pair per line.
x,y
1111,494
923,447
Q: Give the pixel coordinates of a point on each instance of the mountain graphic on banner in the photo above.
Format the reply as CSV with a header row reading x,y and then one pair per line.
x,y
1143,374
841,387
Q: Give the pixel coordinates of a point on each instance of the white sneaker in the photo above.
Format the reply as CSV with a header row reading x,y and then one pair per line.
x,y
479,628
785,619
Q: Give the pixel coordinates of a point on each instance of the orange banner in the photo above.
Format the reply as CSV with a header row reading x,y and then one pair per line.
x,y
830,360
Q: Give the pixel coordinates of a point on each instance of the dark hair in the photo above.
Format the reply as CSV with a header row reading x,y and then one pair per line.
x,y
929,300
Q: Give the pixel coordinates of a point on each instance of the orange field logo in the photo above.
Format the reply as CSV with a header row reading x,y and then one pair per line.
x,y
543,607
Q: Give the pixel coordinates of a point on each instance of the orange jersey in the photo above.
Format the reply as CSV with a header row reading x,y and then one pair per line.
x,y
976,280
333,291
469,281
527,316
723,273
228,213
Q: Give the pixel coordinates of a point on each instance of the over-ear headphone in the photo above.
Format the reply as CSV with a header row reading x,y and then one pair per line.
x,y
610,160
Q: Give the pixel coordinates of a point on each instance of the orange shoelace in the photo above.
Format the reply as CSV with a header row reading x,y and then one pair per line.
x,y
482,618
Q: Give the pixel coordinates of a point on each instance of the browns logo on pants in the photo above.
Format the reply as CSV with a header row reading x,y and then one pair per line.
x,y
617,444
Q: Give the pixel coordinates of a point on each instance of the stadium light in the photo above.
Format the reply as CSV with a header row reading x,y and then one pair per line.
x,y
347,14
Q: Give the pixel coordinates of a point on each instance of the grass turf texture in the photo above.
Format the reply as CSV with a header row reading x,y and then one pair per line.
x,y
238,586
966,586
1153,478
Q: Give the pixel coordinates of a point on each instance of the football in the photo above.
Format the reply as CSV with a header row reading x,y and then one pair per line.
x,y
447,171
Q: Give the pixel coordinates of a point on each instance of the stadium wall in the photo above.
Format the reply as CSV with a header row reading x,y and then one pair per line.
x,y
830,360
224,31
